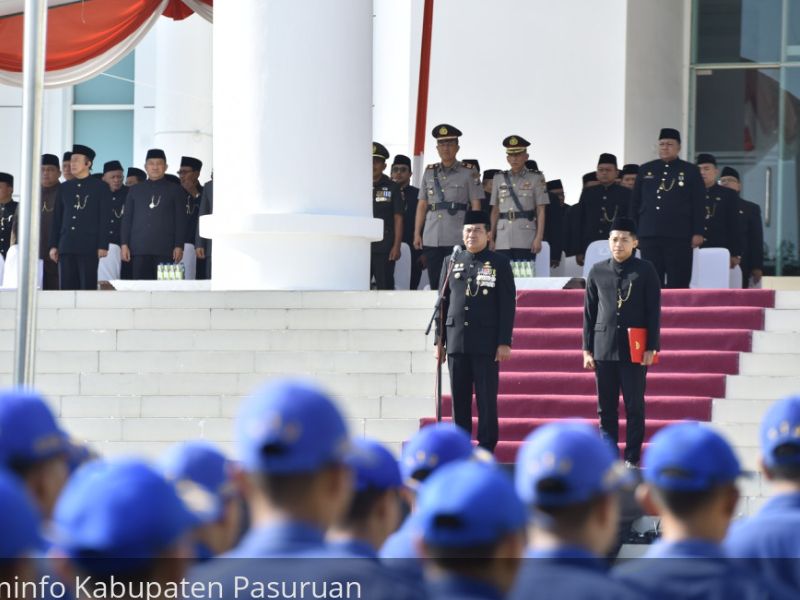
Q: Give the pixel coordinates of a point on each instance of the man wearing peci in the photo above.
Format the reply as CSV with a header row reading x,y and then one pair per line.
x,y
621,292
480,302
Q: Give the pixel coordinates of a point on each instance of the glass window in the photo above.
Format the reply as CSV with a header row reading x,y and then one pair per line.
x,y
110,87
108,132
793,31
738,31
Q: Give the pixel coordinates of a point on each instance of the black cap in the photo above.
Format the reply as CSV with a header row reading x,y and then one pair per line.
x,y
379,151
472,163
446,132
112,165
96,175
730,172
591,176
475,217
516,144
172,178
51,160
630,169
401,159
489,174
607,159
67,156
83,150
623,224
134,172
155,153
554,184
531,165
670,134
7,178
705,158
193,163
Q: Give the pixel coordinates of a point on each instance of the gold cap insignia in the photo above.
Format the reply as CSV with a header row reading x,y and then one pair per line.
x,y
442,130
513,141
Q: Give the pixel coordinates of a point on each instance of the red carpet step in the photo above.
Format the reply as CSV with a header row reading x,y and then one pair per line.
x,y
518,429
686,298
738,340
746,317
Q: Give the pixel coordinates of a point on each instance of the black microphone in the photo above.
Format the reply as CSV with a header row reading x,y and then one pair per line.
x,y
456,251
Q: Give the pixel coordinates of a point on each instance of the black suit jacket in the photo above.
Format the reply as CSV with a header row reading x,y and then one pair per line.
x,y
721,229
596,210
81,217
605,327
751,231
480,303
158,230
554,226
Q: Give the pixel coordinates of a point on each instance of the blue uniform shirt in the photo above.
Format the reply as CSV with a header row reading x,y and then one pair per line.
x,y
399,554
282,540
462,588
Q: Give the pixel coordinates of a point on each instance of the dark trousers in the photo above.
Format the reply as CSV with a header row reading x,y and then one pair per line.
x,y
145,266
672,258
518,254
434,257
78,271
382,269
126,270
481,372
611,376
416,268
50,278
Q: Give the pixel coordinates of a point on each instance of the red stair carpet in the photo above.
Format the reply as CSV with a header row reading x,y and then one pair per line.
x,y
702,333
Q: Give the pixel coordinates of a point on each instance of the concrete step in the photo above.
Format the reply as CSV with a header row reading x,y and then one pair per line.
x,y
741,387
781,319
783,364
787,299
774,342
727,410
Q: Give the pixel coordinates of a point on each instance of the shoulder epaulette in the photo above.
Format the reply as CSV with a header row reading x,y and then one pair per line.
x,y
432,166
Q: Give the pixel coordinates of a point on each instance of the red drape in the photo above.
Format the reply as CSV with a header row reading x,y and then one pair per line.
x,y
76,32
178,10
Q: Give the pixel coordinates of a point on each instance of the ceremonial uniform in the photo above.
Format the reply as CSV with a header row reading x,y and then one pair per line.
x,y
596,210
619,296
555,221
517,197
751,235
721,227
668,205
387,201
410,195
480,303
49,196
80,230
206,208
8,215
192,208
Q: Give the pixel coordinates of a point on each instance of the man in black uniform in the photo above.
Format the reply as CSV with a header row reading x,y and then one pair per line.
x,y
113,176
751,229
66,169
599,205
621,292
480,302
721,228
628,175
203,246
387,205
555,221
668,205
154,223
488,184
401,175
79,237
8,211
590,179
134,176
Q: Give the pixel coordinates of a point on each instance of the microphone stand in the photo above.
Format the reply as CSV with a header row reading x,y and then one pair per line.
x,y
438,312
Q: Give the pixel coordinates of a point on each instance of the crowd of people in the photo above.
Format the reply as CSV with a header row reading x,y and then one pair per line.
x,y
196,524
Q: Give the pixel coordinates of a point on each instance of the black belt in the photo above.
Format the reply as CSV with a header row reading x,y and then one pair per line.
x,y
451,207
513,215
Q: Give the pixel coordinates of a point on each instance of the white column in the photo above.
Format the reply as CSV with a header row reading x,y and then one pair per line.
x,y
183,115
292,127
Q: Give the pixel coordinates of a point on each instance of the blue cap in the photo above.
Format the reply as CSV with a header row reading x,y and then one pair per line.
x,y
28,429
432,447
202,476
118,510
781,427
573,454
290,426
689,457
19,520
373,466
466,504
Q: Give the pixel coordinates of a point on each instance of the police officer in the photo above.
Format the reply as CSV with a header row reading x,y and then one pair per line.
x,y
134,176
768,541
569,478
518,203
721,228
79,237
751,230
555,213
472,527
480,302
401,175
8,211
621,292
628,175
154,222
690,475
448,190
387,205
599,205
668,205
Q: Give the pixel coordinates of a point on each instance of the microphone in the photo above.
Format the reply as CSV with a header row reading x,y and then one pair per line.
x,y
456,251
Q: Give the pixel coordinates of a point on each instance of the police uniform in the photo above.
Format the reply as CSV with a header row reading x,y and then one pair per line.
x,y
8,214
20,523
480,304
446,193
598,206
517,197
80,227
721,226
619,296
154,222
387,202
668,205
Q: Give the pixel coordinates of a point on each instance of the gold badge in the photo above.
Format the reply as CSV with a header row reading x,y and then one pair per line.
x,y
374,149
442,130
513,141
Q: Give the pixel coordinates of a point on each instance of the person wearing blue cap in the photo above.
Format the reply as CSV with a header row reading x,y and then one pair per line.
x,y
33,447
569,478
121,521
769,541
204,480
20,539
471,527
690,475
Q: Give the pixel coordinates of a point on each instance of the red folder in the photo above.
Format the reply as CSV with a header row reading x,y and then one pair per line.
x,y
637,340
